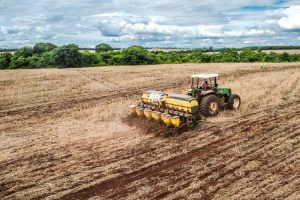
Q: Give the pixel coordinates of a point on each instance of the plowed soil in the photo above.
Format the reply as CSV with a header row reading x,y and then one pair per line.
x,y
65,134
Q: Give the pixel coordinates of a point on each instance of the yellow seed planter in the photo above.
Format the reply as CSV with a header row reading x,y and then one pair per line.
x,y
140,111
148,113
175,121
182,103
132,109
156,115
167,119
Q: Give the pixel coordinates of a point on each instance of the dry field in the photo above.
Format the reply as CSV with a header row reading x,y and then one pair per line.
x,y
289,51
63,135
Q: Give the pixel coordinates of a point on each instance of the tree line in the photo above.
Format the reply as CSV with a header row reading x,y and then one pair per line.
x,y
47,55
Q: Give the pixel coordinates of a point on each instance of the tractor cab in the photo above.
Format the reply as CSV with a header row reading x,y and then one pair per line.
x,y
210,95
203,84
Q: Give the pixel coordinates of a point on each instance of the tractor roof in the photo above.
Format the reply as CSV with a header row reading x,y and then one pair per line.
x,y
205,76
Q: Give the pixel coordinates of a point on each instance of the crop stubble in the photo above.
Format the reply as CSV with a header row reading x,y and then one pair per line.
x,y
58,149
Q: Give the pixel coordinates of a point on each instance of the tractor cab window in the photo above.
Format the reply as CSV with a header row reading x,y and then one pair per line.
x,y
207,84
203,84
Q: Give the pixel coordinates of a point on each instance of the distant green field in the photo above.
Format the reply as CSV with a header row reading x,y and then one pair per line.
x,y
289,51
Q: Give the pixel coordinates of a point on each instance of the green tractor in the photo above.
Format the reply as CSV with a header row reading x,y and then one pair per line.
x,y
205,98
211,97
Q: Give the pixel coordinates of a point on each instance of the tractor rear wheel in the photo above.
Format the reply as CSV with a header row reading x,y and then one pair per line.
x,y
209,106
234,101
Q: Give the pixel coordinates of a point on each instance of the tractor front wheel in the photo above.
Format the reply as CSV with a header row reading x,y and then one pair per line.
x,y
234,101
209,106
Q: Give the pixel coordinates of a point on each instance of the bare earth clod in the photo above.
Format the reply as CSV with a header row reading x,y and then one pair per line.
x,y
66,134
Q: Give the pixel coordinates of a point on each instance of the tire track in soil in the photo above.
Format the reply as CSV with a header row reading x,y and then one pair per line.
x,y
240,126
288,195
262,180
250,183
199,175
245,156
125,179
102,163
11,164
284,181
265,190
229,182
265,129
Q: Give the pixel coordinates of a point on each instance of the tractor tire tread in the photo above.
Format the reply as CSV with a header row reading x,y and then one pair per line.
x,y
231,99
205,103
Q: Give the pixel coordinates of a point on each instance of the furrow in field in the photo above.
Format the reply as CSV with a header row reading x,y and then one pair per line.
x,y
148,171
258,145
270,120
228,180
258,179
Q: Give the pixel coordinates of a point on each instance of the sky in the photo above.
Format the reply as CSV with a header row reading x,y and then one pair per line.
x,y
150,23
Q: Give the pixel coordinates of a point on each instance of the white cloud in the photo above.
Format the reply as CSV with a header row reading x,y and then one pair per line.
x,y
122,23
44,32
124,38
251,32
3,29
291,19
2,33
184,31
247,41
1,37
118,24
